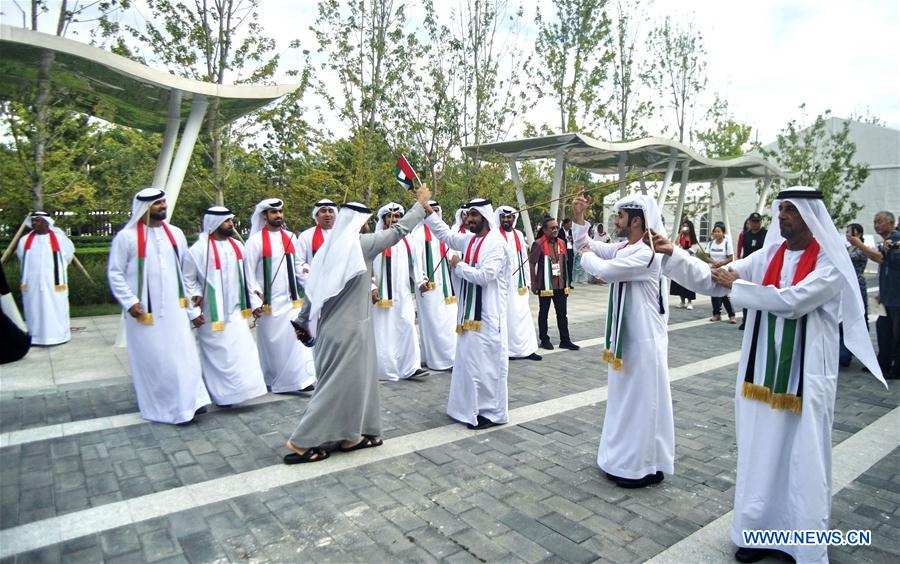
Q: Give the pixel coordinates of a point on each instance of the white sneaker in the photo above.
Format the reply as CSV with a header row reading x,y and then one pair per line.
x,y
689,306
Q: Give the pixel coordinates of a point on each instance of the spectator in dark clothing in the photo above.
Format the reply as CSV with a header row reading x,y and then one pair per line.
x,y
752,240
549,280
859,259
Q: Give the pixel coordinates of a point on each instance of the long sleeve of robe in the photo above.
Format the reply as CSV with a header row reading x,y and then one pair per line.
x,y
46,307
638,435
346,403
286,364
229,356
784,458
165,367
479,382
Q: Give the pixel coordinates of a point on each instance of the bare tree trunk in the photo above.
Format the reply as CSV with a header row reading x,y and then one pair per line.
x,y
39,143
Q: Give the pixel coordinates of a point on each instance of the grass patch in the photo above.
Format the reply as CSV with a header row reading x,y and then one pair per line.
x,y
89,310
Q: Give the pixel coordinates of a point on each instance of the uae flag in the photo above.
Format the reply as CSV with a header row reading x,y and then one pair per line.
x,y
405,173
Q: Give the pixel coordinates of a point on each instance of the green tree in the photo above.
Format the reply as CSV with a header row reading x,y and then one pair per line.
x,y
678,72
626,109
726,138
824,160
572,49
211,41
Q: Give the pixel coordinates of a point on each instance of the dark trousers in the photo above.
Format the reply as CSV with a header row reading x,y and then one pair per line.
x,y
570,265
559,299
888,330
717,306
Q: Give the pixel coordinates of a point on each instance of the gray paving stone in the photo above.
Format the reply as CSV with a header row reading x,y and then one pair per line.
x,y
158,545
119,541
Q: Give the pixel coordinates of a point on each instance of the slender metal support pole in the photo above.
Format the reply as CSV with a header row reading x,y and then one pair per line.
x,y
623,158
724,207
643,187
558,172
767,184
667,180
185,148
682,191
173,124
520,198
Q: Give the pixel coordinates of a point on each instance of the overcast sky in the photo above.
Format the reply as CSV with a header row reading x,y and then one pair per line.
x,y
766,57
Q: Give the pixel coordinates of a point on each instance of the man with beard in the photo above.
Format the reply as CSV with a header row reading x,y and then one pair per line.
x,y
45,254
436,298
270,263
214,276
345,408
145,277
478,391
637,445
394,311
550,281
797,288
519,323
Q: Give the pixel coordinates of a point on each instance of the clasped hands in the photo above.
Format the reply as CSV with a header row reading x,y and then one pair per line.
x,y
720,275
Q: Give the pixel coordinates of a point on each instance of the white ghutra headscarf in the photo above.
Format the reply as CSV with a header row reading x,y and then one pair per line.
x,y
142,202
257,220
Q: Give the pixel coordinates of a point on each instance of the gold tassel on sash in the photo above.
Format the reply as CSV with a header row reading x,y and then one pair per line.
x,y
218,325
450,300
182,302
60,287
297,303
548,293
267,308
246,313
23,287
756,392
385,303
523,291
145,319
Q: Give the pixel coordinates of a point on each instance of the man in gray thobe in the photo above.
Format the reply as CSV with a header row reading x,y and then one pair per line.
x,y
346,408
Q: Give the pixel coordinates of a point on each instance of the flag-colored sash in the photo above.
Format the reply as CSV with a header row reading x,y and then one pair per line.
x,y
520,282
59,266
142,277
470,312
318,239
215,293
446,280
386,276
288,258
546,289
775,386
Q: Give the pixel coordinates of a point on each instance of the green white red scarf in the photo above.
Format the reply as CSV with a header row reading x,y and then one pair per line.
x,y
446,281
520,282
775,386
60,277
386,275
615,322
214,292
545,282
294,288
143,280
470,310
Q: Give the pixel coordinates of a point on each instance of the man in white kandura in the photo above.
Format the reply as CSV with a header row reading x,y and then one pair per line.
x,y
478,392
214,275
519,322
397,274
797,289
436,298
45,254
271,263
637,445
312,239
145,277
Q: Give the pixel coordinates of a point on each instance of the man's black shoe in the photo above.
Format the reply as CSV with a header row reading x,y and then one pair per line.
x,y
546,345
748,554
569,345
741,326
483,423
534,356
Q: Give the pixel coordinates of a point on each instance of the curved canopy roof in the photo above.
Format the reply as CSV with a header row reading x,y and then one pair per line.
x,y
647,154
112,87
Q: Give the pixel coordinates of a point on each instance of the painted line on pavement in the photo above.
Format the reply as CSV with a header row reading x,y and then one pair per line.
x,y
850,459
47,532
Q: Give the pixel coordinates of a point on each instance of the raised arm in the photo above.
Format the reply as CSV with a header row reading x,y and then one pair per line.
x,y
374,243
818,288
456,241
631,267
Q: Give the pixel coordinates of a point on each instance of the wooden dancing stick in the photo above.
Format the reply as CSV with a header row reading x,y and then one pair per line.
x,y
82,269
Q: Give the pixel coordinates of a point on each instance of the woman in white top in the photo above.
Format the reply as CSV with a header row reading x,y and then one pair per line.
x,y
719,250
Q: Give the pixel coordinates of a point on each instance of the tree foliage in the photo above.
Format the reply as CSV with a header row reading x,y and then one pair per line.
x,y
824,160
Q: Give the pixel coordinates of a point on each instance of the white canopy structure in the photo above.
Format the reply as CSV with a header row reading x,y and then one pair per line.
x,y
125,92
647,155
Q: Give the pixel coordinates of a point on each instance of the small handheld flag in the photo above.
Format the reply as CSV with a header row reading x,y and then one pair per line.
x,y
405,173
